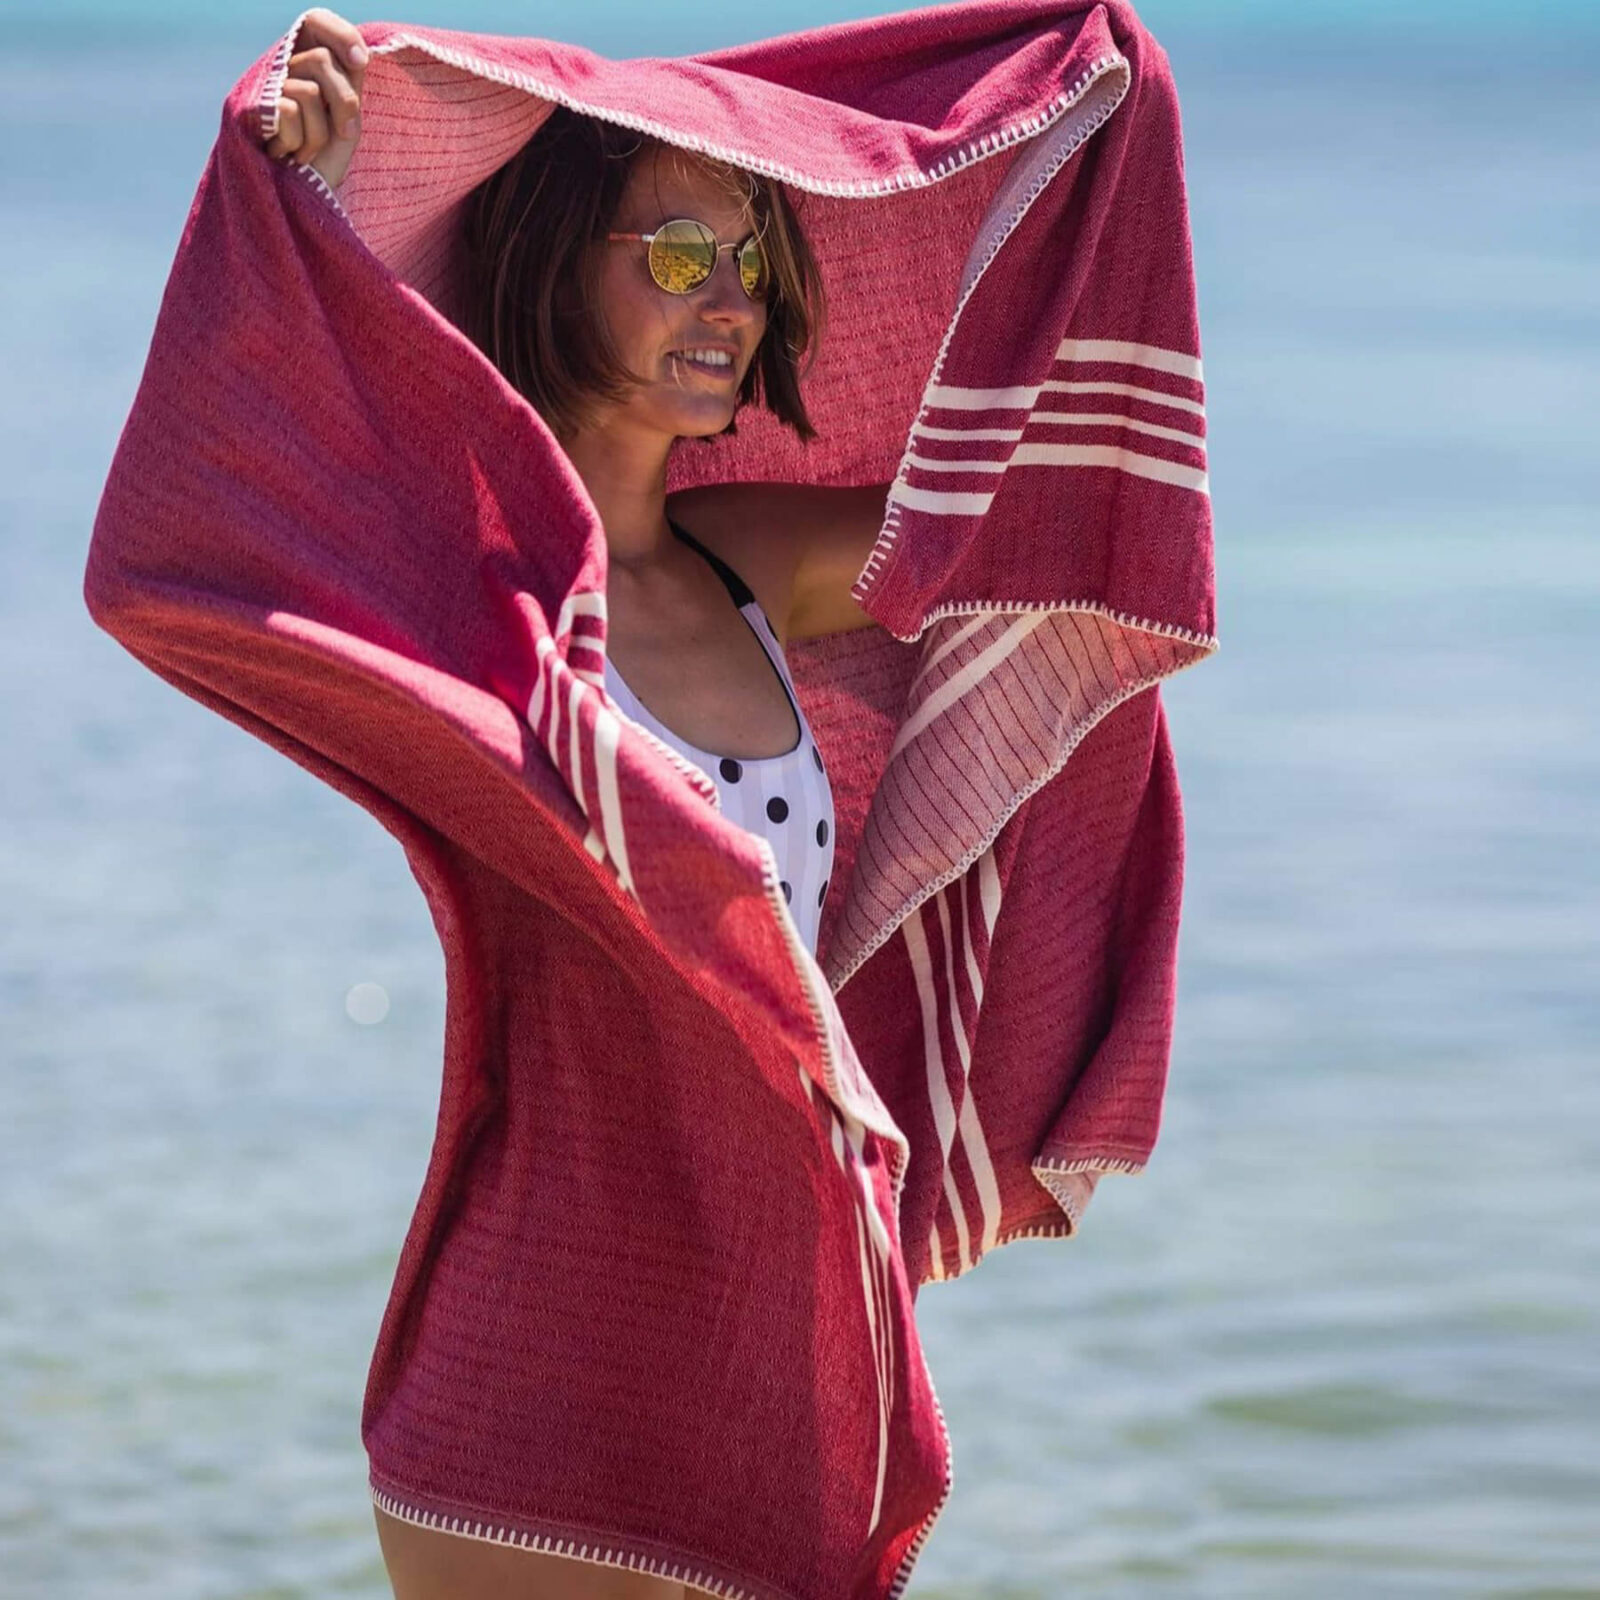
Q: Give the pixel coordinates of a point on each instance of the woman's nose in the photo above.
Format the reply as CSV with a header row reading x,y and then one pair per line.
x,y
724,289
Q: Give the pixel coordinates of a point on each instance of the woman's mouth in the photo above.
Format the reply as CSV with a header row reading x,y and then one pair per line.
x,y
714,363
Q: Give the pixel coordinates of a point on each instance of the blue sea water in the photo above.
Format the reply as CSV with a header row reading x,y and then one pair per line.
x,y
1340,1338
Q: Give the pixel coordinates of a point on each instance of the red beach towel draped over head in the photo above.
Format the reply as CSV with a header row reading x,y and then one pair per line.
x,y
655,1306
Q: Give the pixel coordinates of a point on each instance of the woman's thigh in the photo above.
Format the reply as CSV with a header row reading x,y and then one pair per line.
x,y
425,1564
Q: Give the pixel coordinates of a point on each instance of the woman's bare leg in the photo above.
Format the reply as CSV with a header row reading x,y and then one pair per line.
x,y
426,1564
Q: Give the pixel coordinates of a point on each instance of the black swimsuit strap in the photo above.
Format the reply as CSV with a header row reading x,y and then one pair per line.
x,y
742,597
735,585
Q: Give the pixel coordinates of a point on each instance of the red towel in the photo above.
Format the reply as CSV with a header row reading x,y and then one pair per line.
x,y
655,1306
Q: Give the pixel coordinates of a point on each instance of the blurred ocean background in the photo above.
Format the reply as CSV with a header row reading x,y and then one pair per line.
x,y
1343,1336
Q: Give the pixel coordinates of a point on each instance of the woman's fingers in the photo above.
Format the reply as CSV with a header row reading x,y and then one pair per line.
x,y
341,99
320,102
287,139
310,117
324,27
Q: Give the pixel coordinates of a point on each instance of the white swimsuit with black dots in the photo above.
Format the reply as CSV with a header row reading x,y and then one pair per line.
x,y
785,799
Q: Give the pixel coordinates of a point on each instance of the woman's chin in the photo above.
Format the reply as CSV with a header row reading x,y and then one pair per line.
x,y
703,420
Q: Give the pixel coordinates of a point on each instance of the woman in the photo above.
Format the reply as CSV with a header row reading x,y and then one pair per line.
x,y
655,1308
702,593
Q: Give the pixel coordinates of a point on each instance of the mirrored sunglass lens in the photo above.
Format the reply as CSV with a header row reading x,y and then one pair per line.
x,y
753,268
682,256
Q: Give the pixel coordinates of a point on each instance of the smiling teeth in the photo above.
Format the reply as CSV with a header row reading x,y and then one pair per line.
x,y
710,358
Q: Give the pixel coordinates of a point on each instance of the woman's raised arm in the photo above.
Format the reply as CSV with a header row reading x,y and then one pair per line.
x,y
837,529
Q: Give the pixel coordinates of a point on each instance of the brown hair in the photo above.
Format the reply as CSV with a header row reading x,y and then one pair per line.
x,y
534,231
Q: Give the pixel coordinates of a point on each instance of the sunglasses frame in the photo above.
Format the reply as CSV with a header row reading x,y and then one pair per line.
x,y
649,239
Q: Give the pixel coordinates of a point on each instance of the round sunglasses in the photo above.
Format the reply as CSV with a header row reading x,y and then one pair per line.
x,y
684,253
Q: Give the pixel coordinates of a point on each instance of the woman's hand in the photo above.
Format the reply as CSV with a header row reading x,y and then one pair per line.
x,y
318,106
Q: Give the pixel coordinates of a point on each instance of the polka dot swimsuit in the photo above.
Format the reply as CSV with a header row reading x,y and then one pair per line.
x,y
785,799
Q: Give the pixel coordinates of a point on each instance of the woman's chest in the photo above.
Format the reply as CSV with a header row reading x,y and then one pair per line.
x,y
709,679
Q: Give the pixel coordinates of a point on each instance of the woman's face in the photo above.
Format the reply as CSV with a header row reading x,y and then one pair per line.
x,y
651,327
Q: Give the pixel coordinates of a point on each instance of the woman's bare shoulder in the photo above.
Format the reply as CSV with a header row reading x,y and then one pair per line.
x,y
758,529
799,546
